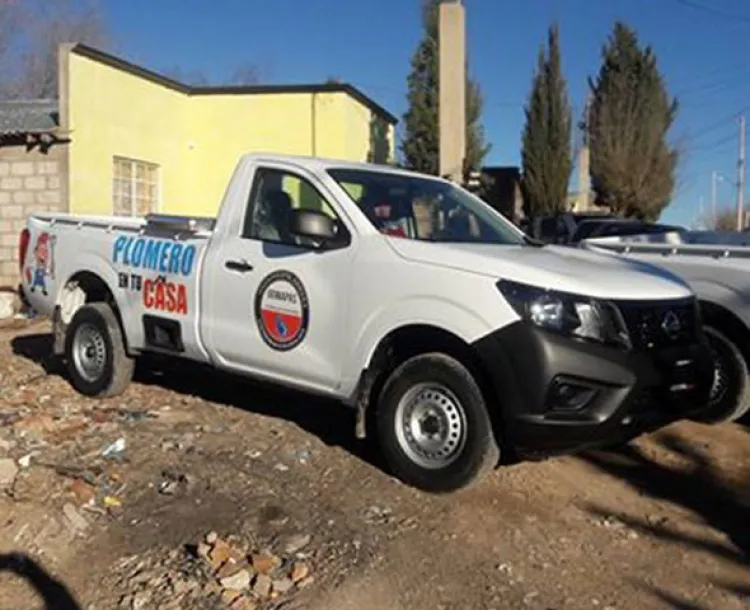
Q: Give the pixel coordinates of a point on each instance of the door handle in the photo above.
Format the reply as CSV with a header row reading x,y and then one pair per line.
x,y
241,266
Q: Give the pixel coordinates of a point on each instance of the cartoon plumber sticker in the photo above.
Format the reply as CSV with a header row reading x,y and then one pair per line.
x,y
282,310
43,263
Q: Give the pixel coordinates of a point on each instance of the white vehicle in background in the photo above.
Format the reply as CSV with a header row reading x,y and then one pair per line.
x,y
396,293
717,267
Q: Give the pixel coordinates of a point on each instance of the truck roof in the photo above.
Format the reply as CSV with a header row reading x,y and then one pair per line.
x,y
324,163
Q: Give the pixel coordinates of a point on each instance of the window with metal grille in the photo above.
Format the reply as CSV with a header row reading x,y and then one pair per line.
x,y
135,187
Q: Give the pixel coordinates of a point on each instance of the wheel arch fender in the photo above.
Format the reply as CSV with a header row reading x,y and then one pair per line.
x,y
96,282
399,335
445,316
723,307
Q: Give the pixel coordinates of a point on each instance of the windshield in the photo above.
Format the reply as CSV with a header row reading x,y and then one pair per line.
x,y
424,209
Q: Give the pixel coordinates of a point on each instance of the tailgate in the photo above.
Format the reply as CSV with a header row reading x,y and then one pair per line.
x,y
37,258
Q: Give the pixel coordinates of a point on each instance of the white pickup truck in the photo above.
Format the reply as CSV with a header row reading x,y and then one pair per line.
x,y
399,294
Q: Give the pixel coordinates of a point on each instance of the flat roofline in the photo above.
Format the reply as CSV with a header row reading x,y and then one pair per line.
x,y
159,79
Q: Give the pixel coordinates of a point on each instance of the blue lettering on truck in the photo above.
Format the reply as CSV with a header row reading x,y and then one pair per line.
x,y
155,254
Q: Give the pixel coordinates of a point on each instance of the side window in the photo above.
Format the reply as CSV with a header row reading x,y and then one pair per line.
x,y
135,187
274,194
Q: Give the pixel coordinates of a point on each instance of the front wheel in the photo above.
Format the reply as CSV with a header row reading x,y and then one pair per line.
x,y
433,425
98,364
730,392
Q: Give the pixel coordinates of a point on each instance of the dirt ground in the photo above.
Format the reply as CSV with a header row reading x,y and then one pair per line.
x,y
107,504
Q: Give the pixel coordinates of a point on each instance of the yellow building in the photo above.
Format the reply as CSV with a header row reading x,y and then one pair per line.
x,y
140,142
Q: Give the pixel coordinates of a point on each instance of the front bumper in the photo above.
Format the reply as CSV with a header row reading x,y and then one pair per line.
x,y
559,395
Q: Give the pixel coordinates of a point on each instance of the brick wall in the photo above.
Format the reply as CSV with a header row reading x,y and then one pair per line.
x,y
30,182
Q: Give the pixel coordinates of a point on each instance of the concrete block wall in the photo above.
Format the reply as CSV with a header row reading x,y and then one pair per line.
x,y
30,182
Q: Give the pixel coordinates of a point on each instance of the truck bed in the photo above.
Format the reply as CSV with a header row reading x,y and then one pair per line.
x,y
155,222
151,266
716,265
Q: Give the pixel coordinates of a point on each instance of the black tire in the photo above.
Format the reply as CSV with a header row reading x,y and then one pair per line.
x,y
474,456
730,397
114,368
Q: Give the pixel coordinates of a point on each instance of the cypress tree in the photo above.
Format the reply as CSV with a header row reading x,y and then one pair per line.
x,y
546,155
633,165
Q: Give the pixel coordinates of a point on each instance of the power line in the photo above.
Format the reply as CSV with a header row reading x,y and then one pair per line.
x,y
715,79
694,4
713,101
741,176
737,82
721,123
720,152
716,145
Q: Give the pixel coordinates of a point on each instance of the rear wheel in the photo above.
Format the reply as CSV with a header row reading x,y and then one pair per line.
x,y
433,424
98,364
730,393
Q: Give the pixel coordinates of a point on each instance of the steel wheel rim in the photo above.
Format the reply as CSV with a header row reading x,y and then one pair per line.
x,y
89,352
720,382
431,425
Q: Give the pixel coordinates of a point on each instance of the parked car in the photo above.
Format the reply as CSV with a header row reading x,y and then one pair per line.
x,y
610,227
399,294
717,267
558,228
570,228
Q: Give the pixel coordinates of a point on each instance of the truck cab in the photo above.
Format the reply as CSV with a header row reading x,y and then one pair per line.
x,y
454,336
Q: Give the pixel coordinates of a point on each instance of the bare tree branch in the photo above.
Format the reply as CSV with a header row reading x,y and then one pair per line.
x,y
194,77
9,20
726,220
245,74
32,36
31,33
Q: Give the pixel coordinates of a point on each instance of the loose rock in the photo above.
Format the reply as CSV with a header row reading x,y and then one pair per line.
x,y
262,585
7,305
232,566
8,472
243,603
300,571
239,581
83,492
294,543
264,563
74,518
203,550
5,446
282,585
219,554
305,582
228,596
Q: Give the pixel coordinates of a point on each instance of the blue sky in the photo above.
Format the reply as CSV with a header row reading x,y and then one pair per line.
x,y
703,55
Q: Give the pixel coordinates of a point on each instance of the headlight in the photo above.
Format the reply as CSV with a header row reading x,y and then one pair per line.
x,y
565,313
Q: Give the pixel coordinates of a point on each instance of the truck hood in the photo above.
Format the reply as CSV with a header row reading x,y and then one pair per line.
x,y
570,269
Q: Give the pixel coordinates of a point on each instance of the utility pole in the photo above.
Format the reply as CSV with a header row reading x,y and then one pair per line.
x,y
584,161
741,177
452,88
714,177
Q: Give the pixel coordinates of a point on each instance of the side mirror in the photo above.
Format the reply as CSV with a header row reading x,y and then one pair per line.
x,y
313,225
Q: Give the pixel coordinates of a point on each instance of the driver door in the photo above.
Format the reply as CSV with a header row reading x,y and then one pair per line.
x,y
278,304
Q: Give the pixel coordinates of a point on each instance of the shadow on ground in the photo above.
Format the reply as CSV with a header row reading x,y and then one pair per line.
x,y
697,485
330,421
55,594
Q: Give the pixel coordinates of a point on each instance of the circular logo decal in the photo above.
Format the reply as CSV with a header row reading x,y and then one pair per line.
x,y
282,310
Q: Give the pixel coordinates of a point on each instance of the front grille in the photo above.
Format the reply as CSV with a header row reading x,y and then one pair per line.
x,y
658,324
